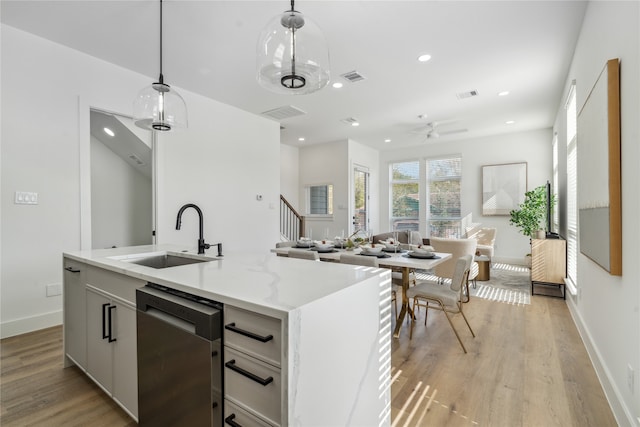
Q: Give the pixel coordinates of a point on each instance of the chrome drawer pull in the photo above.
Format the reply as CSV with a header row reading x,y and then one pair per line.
x,y
232,365
234,328
229,420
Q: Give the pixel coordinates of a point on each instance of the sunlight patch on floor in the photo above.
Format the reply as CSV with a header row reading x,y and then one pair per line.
x,y
509,267
507,296
413,412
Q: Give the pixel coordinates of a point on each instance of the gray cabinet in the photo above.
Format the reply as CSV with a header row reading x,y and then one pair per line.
x,y
75,317
252,377
111,347
100,329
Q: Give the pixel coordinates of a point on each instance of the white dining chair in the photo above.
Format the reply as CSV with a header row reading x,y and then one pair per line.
x,y
371,261
303,254
448,300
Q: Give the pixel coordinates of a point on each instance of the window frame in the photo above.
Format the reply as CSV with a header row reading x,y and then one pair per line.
x,y
429,180
328,201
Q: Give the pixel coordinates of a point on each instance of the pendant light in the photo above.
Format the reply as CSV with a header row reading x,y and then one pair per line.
x,y
159,107
292,55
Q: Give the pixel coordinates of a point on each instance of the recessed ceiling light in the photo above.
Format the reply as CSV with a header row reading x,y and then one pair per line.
x,y
337,85
510,122
301,139
387,140
109,132
355,124
424,57
503,93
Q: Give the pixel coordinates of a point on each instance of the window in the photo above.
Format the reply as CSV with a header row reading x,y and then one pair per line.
x,y
361,198
405,196
444,215
320,199
572,188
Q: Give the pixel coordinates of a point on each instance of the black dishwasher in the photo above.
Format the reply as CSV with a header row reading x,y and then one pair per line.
x,y
179,358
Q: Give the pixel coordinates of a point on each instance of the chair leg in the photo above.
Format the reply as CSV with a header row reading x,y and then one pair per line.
x,y
455,331
426,311
412,321
467,322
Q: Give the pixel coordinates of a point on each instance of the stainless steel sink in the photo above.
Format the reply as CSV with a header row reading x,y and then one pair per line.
x,y
166,261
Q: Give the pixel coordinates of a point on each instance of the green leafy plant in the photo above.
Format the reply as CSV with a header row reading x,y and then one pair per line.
x,y
530,217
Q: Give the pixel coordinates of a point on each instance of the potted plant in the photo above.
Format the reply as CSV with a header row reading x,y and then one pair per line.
x,y
531,215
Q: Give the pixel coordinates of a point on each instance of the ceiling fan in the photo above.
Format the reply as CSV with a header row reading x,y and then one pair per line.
x,y
431,130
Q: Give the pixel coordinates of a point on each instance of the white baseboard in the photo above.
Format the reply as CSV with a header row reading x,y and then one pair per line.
x,y
621,412
30,324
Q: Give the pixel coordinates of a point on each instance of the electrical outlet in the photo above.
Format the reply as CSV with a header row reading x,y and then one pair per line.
x,y
630,377
54,289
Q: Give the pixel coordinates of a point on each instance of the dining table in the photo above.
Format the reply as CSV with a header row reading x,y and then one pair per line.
x,y
396,260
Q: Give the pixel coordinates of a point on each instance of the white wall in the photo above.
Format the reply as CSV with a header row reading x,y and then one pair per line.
x,y
121,210
607,308
333,163
222,164
533,147
322,164
47,90
290,174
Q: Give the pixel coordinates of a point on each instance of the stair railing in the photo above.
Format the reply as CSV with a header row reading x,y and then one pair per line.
x,y
292,224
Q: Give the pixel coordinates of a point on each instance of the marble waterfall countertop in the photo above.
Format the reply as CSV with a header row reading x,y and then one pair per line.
x,y
261,282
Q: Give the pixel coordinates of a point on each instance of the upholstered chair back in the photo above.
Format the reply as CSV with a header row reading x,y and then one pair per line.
x,y
456,247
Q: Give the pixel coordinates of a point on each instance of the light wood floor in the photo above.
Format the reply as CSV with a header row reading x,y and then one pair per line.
x,y
526,367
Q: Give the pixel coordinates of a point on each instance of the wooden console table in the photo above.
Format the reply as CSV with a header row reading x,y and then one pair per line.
x,y
549,264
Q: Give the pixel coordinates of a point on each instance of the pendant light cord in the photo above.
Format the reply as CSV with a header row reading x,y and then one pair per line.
x,y
161,77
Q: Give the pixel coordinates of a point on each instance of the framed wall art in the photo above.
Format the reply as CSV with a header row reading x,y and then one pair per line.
x,y
503,187
599,175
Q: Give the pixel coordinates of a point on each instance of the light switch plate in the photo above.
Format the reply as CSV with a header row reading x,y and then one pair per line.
x,y
26,198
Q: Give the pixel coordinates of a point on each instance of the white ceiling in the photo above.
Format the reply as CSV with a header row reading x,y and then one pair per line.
x,y
524,47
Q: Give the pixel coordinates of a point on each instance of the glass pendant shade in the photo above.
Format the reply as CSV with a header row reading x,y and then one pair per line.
x,y
159,107
292,55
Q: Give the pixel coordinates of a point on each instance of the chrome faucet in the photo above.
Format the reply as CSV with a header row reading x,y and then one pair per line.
x,y
201,244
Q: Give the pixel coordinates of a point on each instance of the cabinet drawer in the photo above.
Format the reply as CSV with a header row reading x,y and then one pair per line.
x,y
249,393
253,333
114,283
234,414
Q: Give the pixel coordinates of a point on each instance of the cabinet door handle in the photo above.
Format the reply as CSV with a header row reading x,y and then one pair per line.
x,y
111,308
72,270
234,328
104,321
232,365
229,420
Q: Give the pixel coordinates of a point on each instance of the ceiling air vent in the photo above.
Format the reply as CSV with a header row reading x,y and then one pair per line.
x,y
136,160
468,94
352,76
350,121
282,113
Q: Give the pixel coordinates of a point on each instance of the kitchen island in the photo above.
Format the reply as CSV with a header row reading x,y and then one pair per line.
x,y
332,326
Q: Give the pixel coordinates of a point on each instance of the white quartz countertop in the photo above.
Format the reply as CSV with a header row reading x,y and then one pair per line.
x,y
261,282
